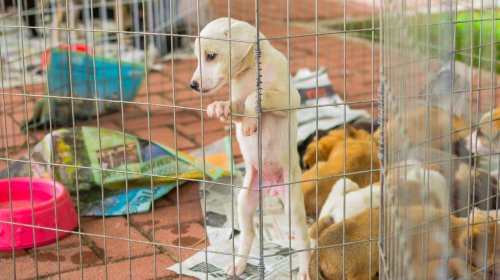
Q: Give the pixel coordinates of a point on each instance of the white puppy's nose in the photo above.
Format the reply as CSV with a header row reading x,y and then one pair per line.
x,y
194,85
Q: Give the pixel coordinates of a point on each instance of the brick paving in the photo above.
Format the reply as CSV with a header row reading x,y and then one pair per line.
x,y
351,62
361,64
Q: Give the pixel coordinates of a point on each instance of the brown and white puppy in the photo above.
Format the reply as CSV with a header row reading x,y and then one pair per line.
x,y
360,156
326,143
475,242
435,117
361,255
473,188
470,250
416,185
487,133
484,143
438,128
356,201
278,131
469,188
469,253
362,151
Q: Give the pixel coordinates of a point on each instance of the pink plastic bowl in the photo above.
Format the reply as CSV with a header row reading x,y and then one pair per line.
x,y
43,212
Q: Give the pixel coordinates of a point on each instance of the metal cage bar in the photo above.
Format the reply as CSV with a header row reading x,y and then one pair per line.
x,y
436,80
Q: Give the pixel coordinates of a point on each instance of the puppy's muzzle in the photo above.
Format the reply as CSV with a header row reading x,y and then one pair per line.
x,y
195,85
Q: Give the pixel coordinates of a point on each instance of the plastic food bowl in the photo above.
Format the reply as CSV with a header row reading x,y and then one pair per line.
x,y
15,236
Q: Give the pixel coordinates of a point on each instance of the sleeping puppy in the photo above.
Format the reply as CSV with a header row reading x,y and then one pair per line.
x,y
359,160
326,143
410,189
470,187
280,160
473,188
487,133
472,248
438,129
364,124
472,243
357,200
359,256
358,207
302,147
447,95
475,242
485,141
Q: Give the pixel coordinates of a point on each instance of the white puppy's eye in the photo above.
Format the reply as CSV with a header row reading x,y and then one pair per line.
x,y
211,56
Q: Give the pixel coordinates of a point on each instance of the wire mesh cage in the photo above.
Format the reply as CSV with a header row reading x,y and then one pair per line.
x,y
440,195
112,168
211,139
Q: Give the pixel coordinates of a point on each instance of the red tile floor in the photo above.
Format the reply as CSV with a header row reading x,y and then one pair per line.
x,y
166,94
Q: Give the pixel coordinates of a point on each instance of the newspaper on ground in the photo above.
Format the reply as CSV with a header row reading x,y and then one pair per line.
x,y
212,265
218,198
330,110
219,234
115,204
91,157
218,203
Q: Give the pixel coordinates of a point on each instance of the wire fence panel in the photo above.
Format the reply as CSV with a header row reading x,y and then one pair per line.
x,y
325,139
440,193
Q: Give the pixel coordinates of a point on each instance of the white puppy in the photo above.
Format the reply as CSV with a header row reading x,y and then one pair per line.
x,y
218,65
357,200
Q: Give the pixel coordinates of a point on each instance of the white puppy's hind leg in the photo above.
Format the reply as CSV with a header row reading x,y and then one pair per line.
x,y
247,203
297,211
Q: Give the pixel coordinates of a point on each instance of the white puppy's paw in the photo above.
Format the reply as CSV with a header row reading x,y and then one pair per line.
x,y
303,275
236,269
249,126
219,109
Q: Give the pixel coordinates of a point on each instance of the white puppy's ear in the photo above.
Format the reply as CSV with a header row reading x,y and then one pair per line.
x,y
243,37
